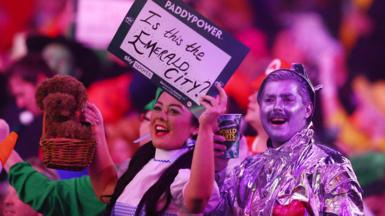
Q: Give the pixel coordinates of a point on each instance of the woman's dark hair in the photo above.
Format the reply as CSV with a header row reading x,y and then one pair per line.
x,y
149,202
29,67
194,121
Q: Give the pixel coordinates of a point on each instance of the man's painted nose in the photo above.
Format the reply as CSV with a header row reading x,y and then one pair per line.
x,y
278,105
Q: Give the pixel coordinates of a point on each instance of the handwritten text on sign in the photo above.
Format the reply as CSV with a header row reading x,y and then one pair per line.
x,y
172,50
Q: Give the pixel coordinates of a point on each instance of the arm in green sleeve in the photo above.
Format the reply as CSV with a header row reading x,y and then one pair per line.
x,y
63,197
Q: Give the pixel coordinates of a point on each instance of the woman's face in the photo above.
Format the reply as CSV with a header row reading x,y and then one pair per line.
x,y
24,94
252,115
171,123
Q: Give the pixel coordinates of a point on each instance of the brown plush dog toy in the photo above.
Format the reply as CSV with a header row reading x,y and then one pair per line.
x,y
62,98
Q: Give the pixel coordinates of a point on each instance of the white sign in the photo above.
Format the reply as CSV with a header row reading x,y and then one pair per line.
x,y
172,50
176,48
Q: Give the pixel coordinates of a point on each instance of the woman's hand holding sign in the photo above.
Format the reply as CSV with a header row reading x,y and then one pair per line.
x,y
200,186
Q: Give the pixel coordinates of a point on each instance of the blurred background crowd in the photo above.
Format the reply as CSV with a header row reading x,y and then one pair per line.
x,y
340,42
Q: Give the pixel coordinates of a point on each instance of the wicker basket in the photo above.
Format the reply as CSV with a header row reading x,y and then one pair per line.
x,y
66,153
69,154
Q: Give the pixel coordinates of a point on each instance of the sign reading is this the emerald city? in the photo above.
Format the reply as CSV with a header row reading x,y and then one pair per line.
x,y
177,49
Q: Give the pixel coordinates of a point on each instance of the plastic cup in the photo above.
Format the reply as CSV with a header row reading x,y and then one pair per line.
x,y
229,128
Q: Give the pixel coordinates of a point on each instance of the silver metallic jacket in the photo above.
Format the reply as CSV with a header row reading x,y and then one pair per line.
x,y
298,170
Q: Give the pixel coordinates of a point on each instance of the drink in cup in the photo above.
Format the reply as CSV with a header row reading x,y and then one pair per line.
x,y
229,128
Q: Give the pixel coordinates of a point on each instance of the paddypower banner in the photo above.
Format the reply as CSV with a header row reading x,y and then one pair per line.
x,y
177,49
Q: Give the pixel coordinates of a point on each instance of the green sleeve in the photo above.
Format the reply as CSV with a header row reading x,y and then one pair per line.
x,y
62,197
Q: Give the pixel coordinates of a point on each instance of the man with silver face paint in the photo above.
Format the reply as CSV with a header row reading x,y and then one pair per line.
x,y
294,176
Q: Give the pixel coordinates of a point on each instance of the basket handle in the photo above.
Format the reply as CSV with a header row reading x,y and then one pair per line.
x,y
43,128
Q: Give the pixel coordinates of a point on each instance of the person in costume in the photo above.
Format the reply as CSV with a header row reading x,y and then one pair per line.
x,y
38,192
294,176
170,122
164,175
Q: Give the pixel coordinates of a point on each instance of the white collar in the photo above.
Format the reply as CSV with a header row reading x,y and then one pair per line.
x,y
168,156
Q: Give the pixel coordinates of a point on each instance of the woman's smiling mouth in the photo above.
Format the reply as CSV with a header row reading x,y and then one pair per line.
x,y
161,130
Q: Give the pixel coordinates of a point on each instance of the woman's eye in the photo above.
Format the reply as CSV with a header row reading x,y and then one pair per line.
x,y
157,108
173,111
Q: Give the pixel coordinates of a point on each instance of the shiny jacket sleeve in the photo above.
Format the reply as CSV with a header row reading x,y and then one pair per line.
x,y
339,192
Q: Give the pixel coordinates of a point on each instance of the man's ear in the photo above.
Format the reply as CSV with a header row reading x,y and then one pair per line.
x,y
309,110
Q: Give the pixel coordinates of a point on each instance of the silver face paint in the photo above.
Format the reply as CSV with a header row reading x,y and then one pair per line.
x,y
283,112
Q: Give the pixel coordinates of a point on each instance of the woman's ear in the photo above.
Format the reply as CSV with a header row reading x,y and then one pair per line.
x,y
194,132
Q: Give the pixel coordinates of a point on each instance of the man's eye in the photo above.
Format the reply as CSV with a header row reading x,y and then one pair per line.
x,y
268,100
288,99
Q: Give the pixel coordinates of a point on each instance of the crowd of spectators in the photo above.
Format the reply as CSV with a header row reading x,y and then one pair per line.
x,y
340,42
